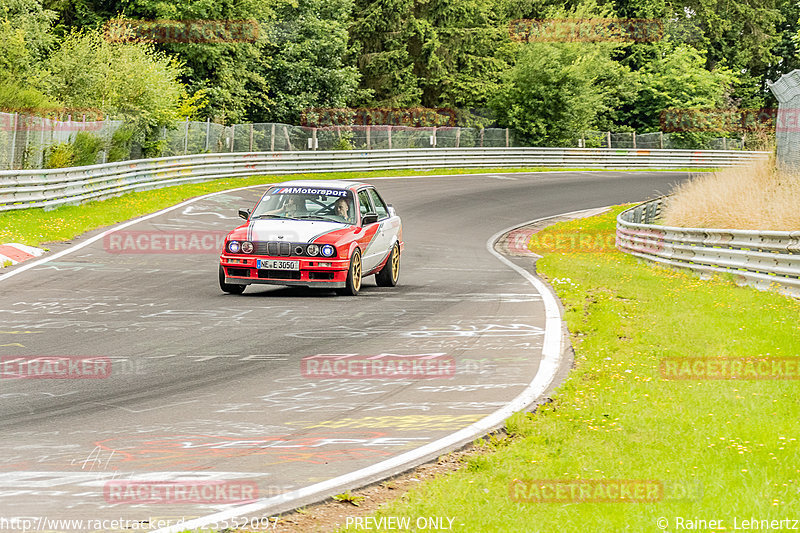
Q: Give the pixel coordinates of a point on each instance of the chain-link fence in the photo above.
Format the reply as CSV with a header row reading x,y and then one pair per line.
x,y
655,140
25,140
198,137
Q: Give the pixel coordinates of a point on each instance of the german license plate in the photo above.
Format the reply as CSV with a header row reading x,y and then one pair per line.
x,y
275,264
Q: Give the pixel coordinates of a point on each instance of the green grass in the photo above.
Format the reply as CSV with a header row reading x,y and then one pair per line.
x,y
37,226
724,449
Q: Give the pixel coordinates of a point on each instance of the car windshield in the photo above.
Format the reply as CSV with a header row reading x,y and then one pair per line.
x,y
306,203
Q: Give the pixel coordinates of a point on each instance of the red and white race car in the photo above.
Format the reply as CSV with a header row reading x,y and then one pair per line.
x,y
327,234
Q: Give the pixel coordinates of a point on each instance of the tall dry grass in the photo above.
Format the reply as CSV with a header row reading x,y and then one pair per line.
x,y
755,197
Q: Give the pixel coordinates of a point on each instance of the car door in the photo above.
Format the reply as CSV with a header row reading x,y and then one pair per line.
x,y
389,226
371,253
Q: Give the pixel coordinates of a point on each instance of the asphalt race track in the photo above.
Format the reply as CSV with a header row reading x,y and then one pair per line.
x,y
205,387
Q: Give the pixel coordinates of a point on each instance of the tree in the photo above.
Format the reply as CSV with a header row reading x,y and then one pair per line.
x,y
126,80
434,53
25,40
678,79
555,91
308,69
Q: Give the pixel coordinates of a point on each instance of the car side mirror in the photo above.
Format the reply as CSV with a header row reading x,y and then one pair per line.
x,y
369,218
244,213
392,211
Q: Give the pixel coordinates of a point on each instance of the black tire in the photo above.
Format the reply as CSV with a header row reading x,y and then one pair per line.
x,y
353,284
390,273
231,288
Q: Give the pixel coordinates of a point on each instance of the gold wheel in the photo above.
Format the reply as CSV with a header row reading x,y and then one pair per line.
x,y
390,272
395,263
357,272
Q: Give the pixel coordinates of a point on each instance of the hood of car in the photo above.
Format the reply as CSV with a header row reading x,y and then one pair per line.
x,y
284,230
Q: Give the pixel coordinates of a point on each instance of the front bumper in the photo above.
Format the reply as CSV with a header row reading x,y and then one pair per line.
x,y
241,270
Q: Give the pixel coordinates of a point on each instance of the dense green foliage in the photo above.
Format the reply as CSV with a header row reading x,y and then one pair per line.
x,y
457,54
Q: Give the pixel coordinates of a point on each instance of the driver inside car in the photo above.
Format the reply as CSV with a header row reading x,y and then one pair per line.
x,y
342,209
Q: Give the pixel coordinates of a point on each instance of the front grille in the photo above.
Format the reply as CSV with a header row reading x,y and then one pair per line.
x,y
239,272
279,274
280,249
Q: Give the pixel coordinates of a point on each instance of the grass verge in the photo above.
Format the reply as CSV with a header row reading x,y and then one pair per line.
x,y
724,450
37,226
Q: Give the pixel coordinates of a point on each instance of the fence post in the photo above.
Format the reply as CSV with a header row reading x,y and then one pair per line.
x,y
482,130
41,145
507,143
13,141
390,128
251,137
272,139
608,138
233,135
314,136
458,137
208,132
186,137
724,143
634,140
288,139
661,139
369,137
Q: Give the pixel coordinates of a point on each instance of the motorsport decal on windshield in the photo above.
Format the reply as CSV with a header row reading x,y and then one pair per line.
x,y
305,190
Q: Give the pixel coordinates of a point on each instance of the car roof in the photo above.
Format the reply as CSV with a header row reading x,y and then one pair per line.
x,y
321,184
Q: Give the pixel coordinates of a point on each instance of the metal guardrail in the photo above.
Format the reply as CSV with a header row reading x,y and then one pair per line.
x,y
762,259
21,189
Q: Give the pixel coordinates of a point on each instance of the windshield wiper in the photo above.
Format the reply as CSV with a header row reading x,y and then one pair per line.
x,y
274,216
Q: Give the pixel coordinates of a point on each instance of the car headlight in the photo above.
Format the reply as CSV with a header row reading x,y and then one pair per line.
x,y
247,247
234,247
328,250
312,250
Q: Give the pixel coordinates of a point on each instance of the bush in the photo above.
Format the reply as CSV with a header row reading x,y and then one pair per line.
x,y
59,156
121,143
86,147
83,150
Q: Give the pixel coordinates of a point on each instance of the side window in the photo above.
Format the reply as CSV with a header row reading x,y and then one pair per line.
x,y
363,202
380,206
